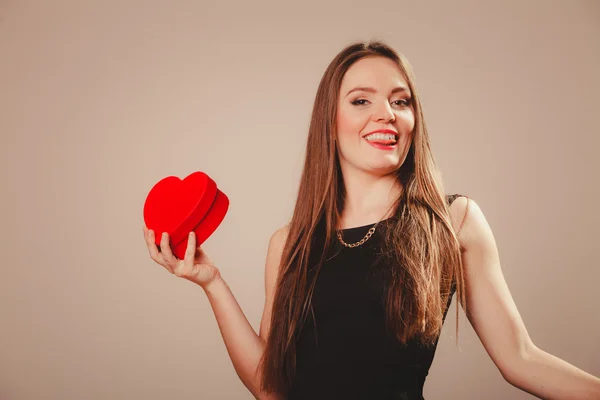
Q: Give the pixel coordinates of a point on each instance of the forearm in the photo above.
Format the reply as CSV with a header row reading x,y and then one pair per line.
x,y
244,346
548,377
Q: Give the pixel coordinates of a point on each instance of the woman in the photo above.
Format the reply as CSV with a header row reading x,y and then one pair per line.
x,y
358,284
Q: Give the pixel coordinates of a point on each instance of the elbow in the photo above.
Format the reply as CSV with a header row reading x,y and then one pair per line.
x,y
508,374
514,368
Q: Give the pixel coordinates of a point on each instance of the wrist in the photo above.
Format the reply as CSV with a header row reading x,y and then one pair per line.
x,y
214,285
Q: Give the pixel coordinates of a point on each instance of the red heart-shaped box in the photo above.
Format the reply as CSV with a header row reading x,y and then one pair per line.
x,y
180,206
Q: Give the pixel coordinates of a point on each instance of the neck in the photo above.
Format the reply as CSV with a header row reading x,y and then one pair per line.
x,y
369,198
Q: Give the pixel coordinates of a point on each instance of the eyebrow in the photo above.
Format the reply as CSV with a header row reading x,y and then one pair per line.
x,y
372,90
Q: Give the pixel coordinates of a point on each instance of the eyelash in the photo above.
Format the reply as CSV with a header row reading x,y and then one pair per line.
x,y
405,102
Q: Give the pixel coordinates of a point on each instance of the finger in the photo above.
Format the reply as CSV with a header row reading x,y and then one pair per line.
x,y
190,251
152,249
168,256
155,253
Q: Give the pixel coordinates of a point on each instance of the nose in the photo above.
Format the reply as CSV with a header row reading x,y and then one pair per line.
x,y
385,114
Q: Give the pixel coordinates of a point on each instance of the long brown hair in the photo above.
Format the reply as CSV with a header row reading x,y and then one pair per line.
x,y
424,247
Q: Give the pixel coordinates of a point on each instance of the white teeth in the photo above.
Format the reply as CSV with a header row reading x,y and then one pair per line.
x,y
381,136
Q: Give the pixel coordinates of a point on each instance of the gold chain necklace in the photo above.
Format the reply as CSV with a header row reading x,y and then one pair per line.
x,y
361,241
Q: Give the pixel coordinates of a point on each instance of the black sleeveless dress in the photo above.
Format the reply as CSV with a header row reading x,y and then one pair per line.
x,y
345,352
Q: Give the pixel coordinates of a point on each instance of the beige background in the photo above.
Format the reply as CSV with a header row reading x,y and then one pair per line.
x,y
100,100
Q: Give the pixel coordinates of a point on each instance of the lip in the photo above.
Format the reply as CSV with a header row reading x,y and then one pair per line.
x,y
383,131
382,147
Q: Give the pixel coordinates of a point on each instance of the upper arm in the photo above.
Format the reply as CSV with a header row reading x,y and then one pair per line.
x,y
490,306
274,252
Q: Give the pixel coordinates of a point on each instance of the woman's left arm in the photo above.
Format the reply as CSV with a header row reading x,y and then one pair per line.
x,y
496,320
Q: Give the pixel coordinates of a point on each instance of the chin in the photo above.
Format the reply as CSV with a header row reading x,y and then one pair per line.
x,y
384,169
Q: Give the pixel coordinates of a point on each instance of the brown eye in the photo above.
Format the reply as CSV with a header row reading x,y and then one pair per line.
x,y
404,102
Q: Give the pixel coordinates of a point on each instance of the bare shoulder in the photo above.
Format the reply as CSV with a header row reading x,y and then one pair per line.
x,y
458,211
272,264
274,253
468,221
280,235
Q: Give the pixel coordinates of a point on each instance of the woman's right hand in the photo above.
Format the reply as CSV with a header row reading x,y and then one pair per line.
x,y
196,265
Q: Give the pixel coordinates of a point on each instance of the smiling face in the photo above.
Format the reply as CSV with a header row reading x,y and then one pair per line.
x,y
374,95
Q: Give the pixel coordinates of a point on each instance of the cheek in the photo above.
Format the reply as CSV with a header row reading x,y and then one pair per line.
x,y
348,123
348,130
407,121
343,127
